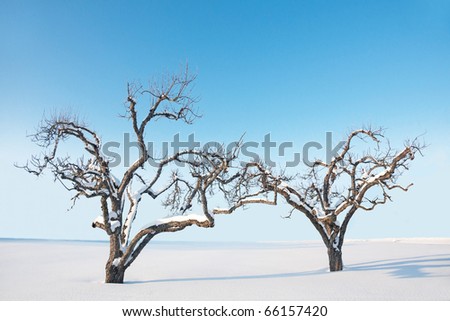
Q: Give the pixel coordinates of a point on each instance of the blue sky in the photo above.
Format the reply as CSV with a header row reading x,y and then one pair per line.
x,y
295,69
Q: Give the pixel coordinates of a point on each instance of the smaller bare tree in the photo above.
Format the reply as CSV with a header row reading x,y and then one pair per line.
x,y
119,199
337,189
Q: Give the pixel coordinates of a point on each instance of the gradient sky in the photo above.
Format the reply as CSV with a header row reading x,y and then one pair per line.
x,y
295,69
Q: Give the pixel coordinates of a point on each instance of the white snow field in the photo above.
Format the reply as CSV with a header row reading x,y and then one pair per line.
x,y
404,269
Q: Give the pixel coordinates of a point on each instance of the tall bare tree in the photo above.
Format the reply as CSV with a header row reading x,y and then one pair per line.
x,y
330,190
119,199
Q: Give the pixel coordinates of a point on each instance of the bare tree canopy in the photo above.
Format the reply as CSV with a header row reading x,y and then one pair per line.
x,y
330,192
119,198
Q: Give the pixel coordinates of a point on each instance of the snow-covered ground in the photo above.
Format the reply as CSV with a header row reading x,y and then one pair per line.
x,y
409,269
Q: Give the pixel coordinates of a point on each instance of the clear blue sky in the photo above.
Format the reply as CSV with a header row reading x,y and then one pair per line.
x,y
295,69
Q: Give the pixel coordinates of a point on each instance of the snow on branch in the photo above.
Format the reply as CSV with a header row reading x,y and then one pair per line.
x,y
200,178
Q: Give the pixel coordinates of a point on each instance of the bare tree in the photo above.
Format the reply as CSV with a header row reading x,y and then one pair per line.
x,y
119,199
329,191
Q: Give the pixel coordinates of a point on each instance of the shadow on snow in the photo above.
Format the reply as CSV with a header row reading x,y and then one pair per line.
x,y
415,267
237,277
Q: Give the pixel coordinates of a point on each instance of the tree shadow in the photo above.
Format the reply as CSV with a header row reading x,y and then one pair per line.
x,y
415,267
235,277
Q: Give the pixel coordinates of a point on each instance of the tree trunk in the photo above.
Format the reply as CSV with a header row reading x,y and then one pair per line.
x,y
114,274
335,259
